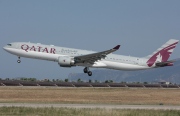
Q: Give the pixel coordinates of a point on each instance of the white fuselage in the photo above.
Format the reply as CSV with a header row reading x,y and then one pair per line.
x,y
52,53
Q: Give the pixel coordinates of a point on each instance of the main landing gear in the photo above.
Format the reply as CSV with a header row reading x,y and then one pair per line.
x,y
18,61
86,70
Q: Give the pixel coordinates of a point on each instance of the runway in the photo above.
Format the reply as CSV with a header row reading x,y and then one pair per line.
x,y
92,106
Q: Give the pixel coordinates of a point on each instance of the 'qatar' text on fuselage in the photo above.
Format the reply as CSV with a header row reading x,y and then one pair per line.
x,y
38,49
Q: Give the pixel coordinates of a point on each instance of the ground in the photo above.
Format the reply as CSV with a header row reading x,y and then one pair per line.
x,y
90,95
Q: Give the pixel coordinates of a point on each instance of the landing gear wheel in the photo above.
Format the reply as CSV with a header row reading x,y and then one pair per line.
x,y
85,70
18,61
90,73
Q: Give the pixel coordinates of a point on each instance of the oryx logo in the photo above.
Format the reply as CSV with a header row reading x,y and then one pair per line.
x,y
162,55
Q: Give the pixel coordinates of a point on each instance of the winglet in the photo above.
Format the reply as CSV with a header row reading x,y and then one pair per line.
x,y
117,47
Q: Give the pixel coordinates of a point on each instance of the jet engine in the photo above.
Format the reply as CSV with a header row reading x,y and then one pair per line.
x,y
65,61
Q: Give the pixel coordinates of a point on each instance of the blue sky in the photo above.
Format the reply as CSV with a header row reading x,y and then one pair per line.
x,y
139,26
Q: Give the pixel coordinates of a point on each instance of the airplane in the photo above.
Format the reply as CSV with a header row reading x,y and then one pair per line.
x,y
69,57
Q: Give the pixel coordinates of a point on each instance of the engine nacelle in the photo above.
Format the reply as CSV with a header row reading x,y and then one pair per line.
x,y
65,61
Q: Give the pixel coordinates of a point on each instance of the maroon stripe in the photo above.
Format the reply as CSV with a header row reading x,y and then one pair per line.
x,y
172,44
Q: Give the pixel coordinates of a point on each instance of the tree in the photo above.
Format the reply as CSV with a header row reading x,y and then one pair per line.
x,y
90,80
79,80
145,82
106,81
110,81
66,80
32,79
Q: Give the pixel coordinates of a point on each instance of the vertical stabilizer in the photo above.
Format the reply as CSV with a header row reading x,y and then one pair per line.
x,y
163,53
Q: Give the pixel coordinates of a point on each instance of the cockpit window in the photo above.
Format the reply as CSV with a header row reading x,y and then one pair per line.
x,y
9,44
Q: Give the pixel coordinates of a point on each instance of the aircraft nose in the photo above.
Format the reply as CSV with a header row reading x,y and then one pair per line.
x,y
5,48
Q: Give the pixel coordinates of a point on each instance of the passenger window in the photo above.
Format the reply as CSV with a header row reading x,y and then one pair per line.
x,y
9,44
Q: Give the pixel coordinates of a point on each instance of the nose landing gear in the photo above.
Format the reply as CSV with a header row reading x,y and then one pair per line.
x,y
86,70
18,61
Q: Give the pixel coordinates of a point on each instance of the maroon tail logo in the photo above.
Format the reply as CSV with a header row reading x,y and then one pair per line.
x,y
162,55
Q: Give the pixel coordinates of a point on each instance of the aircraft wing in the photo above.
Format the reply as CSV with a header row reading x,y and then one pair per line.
x,y
91,58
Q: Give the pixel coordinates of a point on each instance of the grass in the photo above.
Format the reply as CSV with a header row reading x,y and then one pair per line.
x,y
87,95
24,111
90,95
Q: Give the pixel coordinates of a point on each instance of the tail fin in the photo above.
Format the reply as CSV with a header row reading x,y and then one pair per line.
x,y
163,53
